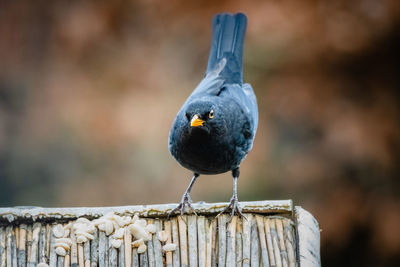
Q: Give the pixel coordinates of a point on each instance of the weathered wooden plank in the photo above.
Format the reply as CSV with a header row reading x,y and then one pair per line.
x,y
231,243
274,235
176,257
289,242
222,220
246,221
53,255
135,258
128,247
33,260
281,239
86,252
270,246
157,245
42,244
239,244
263,243
3,254
168,254
255,245
192,239
201,237
94,249
103,244
183,241
308,236
22,245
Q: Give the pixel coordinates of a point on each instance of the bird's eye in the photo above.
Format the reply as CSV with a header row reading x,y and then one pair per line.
x,y
211,114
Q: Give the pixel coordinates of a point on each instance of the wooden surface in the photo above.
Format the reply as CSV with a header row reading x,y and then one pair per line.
x,y
273,233
8,215
308,235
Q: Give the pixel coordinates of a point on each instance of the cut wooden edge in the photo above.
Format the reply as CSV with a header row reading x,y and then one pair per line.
x,y
8,215
308,238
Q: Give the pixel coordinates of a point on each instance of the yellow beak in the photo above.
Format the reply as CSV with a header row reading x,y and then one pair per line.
x,y
195,122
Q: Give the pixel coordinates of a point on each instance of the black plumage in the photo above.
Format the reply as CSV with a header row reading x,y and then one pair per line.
x,y
215,128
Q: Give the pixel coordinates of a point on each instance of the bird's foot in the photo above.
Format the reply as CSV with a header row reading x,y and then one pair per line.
x,y
185,201
234,208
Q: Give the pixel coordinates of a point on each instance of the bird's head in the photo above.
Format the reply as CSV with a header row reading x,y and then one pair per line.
x,y
202,116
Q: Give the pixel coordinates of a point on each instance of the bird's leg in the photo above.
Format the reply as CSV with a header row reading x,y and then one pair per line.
x,y
234,203
186,198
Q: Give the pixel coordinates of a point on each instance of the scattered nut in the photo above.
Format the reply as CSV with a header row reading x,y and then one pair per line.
x,y
68,241
98,221
81,239
135,218
119,233
83,230
127,220
68,226
142,222
83,220
58,231
116,243
120,221
139,232
63,242
137,243
109,215
102,226
115,224
66,232
142,249
162,236
108,227
61,251
85,234
63,245
169,247
151,228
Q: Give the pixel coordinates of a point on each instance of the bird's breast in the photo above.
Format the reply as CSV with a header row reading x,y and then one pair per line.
x,y
203,153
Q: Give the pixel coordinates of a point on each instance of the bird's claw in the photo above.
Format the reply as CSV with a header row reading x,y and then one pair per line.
x,y
234,207
185,201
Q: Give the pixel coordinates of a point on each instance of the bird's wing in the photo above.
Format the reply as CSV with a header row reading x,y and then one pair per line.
x,y
212,83
245,97
251,103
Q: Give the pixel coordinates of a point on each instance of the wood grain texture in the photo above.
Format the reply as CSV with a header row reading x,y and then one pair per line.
x,y
260,238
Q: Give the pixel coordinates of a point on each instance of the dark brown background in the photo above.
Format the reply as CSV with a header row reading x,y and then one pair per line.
x,y
89,89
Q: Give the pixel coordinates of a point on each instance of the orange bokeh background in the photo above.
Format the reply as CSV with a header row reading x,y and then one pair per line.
x,y
88,92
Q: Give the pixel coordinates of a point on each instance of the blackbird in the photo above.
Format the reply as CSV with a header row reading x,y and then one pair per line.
x,y
215,128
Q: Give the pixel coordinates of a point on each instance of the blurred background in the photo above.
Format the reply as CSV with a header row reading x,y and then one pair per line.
x,y
89,89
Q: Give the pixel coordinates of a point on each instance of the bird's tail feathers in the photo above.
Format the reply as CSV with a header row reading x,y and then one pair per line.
x,y
227,42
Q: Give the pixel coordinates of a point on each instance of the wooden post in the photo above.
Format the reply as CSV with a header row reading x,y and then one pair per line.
x,y
273,233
